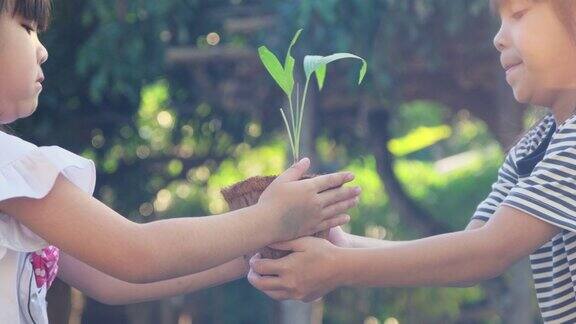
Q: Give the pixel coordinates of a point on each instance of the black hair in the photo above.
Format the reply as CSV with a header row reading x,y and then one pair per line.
x,y
37,11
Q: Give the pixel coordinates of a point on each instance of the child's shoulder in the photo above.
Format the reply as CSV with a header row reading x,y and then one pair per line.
x,y
30,170
534,137
13,147
564,140
555,136
568,126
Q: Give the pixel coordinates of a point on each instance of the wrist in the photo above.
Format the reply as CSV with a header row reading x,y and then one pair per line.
x,y
242,266
262,226
269,218
340,266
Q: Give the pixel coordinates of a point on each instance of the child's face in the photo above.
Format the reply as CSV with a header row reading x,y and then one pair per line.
x,y
537,52
21,55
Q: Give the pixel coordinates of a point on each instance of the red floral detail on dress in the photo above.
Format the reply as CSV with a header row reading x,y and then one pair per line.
x,y
45,265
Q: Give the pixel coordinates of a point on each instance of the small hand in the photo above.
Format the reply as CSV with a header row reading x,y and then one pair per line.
x,y
307,274
304,207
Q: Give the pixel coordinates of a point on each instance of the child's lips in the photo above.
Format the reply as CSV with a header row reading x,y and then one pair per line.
x,y
512,67
39,81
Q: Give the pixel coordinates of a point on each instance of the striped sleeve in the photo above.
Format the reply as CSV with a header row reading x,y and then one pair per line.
x,y
549,193
507,179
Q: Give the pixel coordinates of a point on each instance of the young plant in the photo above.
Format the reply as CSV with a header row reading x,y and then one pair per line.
x,y
284,77
247,192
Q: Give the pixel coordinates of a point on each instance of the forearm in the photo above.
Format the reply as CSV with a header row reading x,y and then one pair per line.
x,y
200,243
357,241
452,259
128,293
109,290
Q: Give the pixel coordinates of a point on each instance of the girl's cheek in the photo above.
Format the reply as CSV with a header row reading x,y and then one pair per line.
x,y
531,49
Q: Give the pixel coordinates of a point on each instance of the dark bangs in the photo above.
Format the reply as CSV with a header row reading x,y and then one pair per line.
x,y
37,11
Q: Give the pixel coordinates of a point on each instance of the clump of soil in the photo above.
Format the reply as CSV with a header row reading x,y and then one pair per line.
x,y
246,193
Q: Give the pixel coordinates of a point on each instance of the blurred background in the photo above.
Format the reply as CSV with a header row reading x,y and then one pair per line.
x,y
171,102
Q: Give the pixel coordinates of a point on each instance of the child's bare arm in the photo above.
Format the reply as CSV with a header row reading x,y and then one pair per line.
x,y
92,232
109,290
452,259
343,239
357,241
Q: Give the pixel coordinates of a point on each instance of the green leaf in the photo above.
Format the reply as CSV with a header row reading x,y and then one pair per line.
x,y
321,75
315,63
289,62
275,69
292,43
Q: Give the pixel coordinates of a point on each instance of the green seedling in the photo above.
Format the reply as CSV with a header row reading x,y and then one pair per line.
x,y
284,77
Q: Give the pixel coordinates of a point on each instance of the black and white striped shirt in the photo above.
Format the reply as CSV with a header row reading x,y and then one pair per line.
x,y
539,178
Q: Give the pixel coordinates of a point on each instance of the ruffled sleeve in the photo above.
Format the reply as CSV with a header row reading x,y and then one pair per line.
x,y
30,171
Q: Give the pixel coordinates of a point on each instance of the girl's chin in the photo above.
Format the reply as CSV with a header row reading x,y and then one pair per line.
x,y
521,99
28,111
521,94
32,111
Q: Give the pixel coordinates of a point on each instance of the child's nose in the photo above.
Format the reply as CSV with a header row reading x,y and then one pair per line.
x,y
499,42
42,54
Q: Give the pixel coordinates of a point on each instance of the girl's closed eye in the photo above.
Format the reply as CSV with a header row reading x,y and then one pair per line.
x,y
519,9
517,15
29,27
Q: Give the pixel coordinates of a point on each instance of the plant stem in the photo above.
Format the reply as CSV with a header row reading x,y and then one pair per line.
x,y
294,129
292,117
289,134
291,112
300,117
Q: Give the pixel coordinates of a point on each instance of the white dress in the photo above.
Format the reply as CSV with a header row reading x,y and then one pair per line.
x,y
29,171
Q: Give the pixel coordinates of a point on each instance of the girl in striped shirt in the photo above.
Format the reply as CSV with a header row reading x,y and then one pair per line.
x,y
530,211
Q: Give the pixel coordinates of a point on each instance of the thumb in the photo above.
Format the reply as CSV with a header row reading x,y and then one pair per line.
x,y
295,172
294,245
